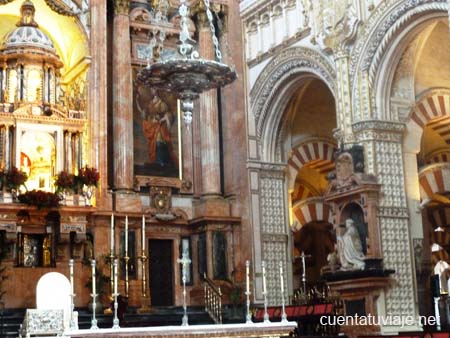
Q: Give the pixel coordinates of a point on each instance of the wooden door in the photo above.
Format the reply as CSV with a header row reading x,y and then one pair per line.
x,y
161,272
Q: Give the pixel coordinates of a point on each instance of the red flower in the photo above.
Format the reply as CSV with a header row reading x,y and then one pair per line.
x,y
89,176
40,199
14,178
65,181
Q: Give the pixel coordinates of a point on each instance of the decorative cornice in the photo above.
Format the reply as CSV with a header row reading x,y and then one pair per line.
x,y
386,126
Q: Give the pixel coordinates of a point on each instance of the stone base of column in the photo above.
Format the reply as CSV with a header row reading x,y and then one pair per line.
x,y
127,201
212,206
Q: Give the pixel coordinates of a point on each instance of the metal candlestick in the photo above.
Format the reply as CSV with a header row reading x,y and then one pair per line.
x,y
144,308
127,283
248,293
283,309
94,296
73,323
116,305
266,314
184,262
303,257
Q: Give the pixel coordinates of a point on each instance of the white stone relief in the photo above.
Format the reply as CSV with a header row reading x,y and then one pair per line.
x,y
273,254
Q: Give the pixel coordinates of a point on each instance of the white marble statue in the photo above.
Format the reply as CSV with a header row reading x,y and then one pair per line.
x,y
350,249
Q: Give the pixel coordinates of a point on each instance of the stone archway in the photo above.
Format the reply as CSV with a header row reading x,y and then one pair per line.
x,y
283,79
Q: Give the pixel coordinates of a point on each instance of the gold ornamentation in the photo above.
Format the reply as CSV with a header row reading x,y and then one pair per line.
x,y
121,7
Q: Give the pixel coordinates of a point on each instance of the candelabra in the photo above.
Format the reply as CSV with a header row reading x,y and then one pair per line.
x,y
73,322
184,262
94,297
266,314
283,309
248,293
127,283
145,299
116,305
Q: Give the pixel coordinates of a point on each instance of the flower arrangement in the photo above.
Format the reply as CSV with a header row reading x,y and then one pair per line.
x,y
65,182
88,176
40,199
13,178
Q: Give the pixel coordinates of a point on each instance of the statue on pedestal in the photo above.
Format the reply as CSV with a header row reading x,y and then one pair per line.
x,y
350,249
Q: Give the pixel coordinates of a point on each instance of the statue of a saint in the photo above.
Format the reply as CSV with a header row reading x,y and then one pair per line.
x,y
350,249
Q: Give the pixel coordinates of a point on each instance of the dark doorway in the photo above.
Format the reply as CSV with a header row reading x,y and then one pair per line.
x,y
161,272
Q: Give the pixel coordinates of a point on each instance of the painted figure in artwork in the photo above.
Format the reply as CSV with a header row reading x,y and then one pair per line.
x,y
156,129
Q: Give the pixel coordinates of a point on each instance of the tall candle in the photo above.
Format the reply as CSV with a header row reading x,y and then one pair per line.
x,y
115,276
281,277
112,234
143,233
71,275
247,266
93,276
126,236
264,276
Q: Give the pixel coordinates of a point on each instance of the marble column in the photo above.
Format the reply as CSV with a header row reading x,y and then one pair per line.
x,y
209,119
122,98
97,109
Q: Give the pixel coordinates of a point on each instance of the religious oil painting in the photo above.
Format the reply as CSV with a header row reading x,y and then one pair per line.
x,y
156,133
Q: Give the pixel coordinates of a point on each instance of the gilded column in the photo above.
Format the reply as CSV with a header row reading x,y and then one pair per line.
x,y
122,98
209,119
97,110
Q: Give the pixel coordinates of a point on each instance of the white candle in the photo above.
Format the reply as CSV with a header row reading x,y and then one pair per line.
x,y
112,234
115,276
71,275
126,236
264,276
303,263
93,276
281,277
143,234
247,266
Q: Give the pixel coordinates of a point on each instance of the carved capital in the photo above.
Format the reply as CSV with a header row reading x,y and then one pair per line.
x,y
121,7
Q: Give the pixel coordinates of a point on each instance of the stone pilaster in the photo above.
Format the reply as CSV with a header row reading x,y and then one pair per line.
x,y
209,119
122,99
270,235
343,103
382,141
97,110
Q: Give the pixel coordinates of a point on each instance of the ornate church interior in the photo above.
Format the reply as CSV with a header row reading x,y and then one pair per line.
x,y
225,168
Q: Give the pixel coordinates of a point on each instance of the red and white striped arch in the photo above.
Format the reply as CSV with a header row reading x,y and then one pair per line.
x,y
434,111
434,179
317,154
431,107
311,210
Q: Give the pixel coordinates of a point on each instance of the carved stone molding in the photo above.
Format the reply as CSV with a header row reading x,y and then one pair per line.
x,y
386,126
380,32
289,62
393,212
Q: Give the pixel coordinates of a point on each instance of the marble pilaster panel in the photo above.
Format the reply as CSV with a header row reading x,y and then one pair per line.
x,y
209,119
122,99
97,109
